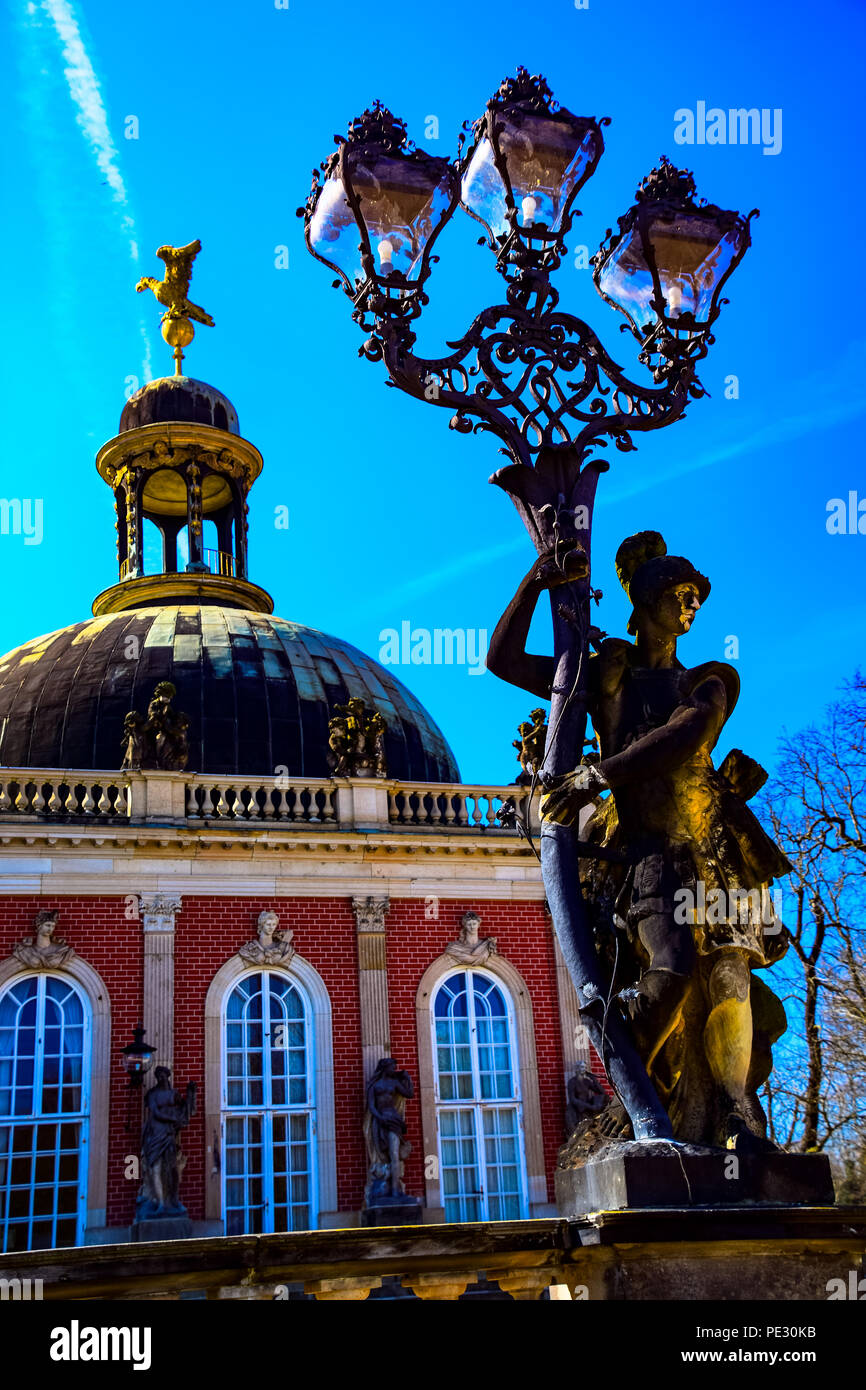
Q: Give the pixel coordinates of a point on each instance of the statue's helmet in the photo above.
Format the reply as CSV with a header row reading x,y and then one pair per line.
x,y
646,571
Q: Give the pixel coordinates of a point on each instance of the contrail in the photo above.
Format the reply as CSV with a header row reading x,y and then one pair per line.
x,y
91,116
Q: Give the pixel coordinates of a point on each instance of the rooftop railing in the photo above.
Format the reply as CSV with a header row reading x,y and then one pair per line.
x,y
180,798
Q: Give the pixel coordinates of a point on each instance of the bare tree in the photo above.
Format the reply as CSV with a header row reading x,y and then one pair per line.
x,y
816,805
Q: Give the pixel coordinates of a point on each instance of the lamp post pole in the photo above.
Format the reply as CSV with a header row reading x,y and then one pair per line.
x,y
538,378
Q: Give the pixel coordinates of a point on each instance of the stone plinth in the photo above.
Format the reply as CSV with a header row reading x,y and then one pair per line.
x,y
393,1211
162,1228
632,1178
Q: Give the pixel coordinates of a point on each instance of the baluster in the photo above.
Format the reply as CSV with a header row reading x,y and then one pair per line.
x,y
70,801
393,813
329,810
223,809
450,814
207,805
121,806
103,805
38,800
88,805
477,814
462,809
5,803
55,804
192,807
22,800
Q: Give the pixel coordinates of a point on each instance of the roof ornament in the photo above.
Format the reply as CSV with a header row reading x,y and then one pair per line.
x,y
177,328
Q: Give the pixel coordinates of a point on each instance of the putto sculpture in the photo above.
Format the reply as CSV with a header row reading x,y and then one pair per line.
x,y
356,741
161,740
671,835
530,746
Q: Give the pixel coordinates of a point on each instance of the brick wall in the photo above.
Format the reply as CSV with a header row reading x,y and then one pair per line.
x,y
210,930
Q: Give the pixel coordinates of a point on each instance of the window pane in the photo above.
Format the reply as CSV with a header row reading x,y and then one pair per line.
x,y
475,1066
272,1055
42,1038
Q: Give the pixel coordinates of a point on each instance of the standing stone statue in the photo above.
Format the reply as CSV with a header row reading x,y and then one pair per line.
x,y
166,1113
676,869
385,1199
356,741
159,741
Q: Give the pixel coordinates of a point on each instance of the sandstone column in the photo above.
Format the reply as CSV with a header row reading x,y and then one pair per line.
x,y
157,922
373,980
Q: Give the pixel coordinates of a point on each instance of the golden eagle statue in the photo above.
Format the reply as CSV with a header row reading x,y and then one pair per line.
x,y
172,292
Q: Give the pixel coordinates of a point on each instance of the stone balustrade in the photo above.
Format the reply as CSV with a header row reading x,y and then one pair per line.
x,y
36,793
182,798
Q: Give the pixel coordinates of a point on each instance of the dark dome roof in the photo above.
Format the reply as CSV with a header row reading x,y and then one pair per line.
x,y
170,399
258,692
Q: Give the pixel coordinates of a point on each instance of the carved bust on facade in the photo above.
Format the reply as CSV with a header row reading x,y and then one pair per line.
x,y
270,946
40,951
468,949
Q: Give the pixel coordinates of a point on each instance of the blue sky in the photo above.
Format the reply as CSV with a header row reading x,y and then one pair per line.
x,y
391,515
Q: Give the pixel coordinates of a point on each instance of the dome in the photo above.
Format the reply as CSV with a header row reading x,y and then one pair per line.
x,y
258,692
178,399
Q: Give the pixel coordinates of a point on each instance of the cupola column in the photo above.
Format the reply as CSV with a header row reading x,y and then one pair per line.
x,y
132,488
192,474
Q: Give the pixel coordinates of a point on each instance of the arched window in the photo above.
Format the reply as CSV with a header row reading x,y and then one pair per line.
x,y
44,1113
479,1117
269,1160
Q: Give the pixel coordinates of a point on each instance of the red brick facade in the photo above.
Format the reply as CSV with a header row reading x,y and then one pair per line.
x,y
209,930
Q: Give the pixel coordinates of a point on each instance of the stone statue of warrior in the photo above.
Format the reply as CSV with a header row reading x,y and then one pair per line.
x,y
681,906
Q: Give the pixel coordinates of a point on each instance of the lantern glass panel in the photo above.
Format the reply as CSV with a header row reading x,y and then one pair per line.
x,y
626,280
334,233
546,158
483,191
403,202
692,258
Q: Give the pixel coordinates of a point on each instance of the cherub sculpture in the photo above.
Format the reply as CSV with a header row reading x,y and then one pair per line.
x,y
530,746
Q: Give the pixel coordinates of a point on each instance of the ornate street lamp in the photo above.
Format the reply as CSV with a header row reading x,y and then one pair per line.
x,y
665,267
538,378
375,216
528,160
137,1057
